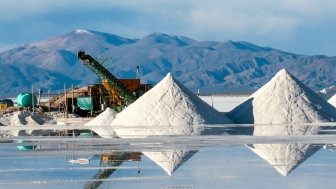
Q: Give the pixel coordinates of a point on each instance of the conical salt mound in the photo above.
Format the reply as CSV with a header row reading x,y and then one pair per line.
x,y
167,109
101,123
283,100
281,107
332,100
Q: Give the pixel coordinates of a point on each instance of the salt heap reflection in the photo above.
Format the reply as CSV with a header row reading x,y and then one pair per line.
x,y
280,107
285,157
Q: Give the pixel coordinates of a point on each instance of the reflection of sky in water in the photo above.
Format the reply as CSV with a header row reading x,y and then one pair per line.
x,y
229,167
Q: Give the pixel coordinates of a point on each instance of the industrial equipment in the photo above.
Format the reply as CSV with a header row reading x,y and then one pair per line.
x,y
115,93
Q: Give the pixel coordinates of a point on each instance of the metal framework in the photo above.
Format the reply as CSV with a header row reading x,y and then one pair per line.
x,y
119,92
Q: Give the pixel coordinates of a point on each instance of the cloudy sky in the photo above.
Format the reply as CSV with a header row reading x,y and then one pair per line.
x,y
299,26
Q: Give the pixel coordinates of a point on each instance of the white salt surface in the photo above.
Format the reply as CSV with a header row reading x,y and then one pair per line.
x,y
332,100
102,121
283,100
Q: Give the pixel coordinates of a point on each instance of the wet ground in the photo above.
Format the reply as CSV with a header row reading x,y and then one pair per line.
x,y
216,161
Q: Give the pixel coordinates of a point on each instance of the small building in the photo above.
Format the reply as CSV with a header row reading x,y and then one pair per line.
x,y
5,103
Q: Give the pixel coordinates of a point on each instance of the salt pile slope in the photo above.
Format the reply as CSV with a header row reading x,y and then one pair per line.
x,y
332,100
284,100
100,124
167,109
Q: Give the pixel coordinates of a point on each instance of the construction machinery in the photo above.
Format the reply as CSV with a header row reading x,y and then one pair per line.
x,y
111,92
115,93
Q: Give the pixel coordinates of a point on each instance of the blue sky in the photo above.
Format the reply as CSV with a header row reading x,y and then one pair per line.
x,y
299,26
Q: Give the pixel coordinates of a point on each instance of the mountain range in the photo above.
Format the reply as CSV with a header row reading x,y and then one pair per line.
x,y
209,66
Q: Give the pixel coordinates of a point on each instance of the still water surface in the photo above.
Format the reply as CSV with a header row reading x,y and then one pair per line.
x,y
171,162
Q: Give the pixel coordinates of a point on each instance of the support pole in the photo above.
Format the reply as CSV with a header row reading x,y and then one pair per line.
x,y
65,103
33,100
39,101
49,100
91,101
72,100
59,104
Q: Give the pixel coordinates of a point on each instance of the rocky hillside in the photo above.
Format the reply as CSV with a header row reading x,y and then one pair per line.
x,y
206,65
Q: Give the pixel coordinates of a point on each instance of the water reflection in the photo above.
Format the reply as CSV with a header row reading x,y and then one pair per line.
x,y
285,157
165,159
170,161
111,160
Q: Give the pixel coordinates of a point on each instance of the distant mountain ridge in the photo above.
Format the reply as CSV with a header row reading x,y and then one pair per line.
x,y
206,65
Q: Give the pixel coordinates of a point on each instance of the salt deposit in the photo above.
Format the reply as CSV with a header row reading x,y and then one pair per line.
x,y
283,100
167,109
26,118
102,122
332,100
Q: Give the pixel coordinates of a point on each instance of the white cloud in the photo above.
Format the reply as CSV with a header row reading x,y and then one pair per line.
x,y
239,23
252,20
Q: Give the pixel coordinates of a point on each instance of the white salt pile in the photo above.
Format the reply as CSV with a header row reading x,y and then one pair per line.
x,y
332,100
102,122
283,100
27,118
167,109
